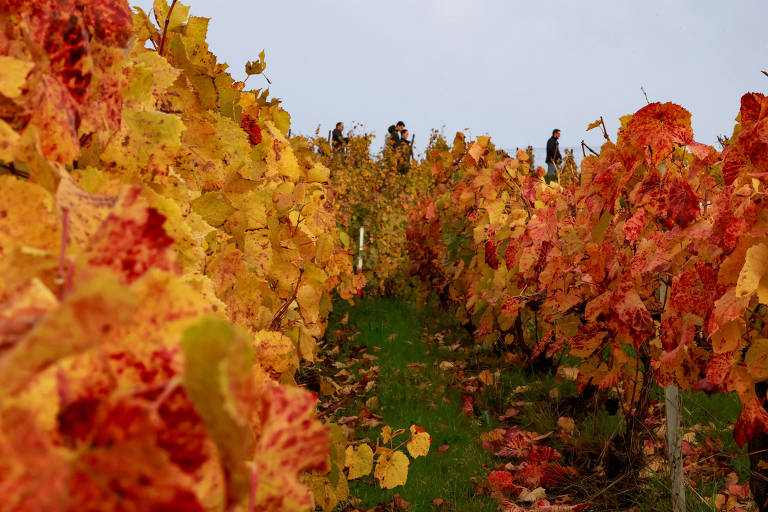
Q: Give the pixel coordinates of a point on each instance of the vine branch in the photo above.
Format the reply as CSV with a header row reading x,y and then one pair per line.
x,y
165,28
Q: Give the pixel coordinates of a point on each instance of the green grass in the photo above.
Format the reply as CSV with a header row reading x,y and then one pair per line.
x,y
395,331
424,398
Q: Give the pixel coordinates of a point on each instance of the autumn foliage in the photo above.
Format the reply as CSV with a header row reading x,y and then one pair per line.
x,y
166,260
168,256
651,268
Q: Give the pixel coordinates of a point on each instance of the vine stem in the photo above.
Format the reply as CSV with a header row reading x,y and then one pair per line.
x,y
584,145
605,132
647,101
273,325
165,28
64,271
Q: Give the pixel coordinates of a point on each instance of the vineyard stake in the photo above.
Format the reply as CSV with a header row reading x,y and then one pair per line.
x,y
360,257
675,447
674,441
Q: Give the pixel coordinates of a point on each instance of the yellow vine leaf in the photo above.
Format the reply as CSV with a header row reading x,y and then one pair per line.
x,y
218,358
326,494
594,124
213,207
308,298
386,433
85,212
391,468
359,461
85,317
419,443
19,314
292,441
179,14
275,352
729,337
8,141
27,219
13,75
319,173
753,272
757,359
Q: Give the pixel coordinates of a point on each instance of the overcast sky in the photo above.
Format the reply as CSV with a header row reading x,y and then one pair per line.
x,y
510,69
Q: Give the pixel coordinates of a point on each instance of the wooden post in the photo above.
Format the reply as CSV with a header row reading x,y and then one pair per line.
x,y
674,440
675,447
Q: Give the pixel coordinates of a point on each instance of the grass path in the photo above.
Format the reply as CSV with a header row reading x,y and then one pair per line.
x,y
393,331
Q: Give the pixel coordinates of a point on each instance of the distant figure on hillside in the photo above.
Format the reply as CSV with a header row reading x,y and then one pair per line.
x,y
338,140
395,130
404,138
404,152
554,158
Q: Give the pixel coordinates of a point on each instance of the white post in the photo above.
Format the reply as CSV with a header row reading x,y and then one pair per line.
x,y
360,253
360,258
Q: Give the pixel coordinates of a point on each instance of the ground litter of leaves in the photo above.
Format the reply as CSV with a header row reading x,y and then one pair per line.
x,y
503,438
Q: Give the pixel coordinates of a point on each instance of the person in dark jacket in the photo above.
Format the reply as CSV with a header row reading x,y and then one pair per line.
x,y
338,140
394,134
554,158
404,152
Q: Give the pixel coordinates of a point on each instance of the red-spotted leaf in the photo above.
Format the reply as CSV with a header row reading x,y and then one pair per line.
x,y
634,226
292,441
131,241
630,309
682,203
491,254
719,367
694,290
657,127
754,106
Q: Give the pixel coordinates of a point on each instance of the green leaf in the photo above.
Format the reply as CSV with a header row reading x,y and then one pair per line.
x,y
218,357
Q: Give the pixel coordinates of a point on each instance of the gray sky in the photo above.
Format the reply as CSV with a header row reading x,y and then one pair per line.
x,y
510,69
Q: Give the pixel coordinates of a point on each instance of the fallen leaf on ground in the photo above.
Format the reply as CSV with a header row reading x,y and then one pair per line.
x,y
447,365
468,405
399,504
531,496
509,413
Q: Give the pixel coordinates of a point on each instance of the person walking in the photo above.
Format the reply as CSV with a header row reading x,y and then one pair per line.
x,y
554,158
338,140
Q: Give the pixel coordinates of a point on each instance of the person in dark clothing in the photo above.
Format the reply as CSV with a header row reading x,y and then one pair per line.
x,y
404,152
394,133
394,137
338,140
554,158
